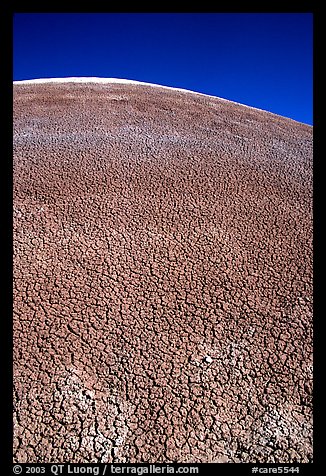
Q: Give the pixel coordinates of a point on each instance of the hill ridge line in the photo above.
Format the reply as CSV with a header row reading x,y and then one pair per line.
x,y
102,80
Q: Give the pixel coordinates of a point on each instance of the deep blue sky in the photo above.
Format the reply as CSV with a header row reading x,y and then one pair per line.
x,y
262,60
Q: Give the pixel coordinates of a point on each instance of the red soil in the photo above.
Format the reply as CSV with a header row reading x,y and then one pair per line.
x,y
154,228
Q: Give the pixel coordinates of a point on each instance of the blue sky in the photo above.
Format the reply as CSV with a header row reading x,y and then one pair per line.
x,y
262,60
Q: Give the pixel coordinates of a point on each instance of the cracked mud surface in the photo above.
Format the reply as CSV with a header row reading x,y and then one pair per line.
x,y
162,278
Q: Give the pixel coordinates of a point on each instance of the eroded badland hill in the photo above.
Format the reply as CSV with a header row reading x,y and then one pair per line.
x,y
162,278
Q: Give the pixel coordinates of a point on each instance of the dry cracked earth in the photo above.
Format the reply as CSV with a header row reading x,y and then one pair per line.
x,y
162,278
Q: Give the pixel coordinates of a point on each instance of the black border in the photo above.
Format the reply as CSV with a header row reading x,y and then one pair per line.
x,y
6,287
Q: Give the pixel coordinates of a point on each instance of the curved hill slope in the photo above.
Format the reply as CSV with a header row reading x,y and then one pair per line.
x,y
162,277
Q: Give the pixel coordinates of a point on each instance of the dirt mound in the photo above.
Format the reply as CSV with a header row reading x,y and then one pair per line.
x,y
162,278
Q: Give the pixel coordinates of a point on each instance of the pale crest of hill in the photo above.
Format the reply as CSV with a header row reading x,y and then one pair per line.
x,y
123,81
